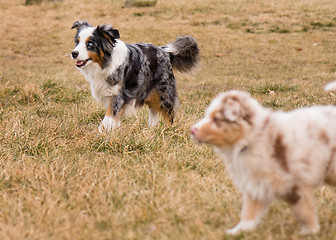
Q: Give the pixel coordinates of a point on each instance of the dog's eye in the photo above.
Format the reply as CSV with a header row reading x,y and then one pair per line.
x,y
216,120
90,44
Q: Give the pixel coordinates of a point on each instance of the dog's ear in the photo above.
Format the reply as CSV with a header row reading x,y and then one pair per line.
x,y
81,23
231,109
108,31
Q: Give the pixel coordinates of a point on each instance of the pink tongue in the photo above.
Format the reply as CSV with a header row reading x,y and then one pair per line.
x,y
79,62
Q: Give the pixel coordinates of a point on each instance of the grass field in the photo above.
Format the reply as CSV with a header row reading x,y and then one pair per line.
x,y
61,179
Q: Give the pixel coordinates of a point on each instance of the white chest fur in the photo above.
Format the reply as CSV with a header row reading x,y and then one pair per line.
x,y
100,89
245,180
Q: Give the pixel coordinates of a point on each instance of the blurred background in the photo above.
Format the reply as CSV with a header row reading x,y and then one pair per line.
x,y
61,179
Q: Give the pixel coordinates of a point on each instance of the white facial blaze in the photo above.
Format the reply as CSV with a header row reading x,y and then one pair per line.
x,y
81,47
212,107
201,122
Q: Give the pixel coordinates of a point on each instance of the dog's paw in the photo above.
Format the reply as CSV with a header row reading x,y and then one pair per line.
x,y
108,124
306,230
233,231
242,226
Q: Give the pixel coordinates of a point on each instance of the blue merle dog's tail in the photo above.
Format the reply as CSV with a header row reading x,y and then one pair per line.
x,y
184,53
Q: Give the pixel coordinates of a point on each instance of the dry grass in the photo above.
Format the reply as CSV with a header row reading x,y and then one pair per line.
x,y
61,179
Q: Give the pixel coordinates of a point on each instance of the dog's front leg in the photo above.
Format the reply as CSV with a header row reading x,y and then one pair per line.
x,y
251,214
114,113
109,122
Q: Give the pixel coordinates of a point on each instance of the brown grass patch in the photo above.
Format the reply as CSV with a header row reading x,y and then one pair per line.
x,y
61,179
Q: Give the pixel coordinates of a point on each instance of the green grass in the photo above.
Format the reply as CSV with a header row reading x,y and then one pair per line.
x,y
62,179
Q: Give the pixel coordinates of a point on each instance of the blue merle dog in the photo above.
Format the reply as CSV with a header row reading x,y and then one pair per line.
x,y
126,76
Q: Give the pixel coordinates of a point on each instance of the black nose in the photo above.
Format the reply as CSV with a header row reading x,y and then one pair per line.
x,y
74,54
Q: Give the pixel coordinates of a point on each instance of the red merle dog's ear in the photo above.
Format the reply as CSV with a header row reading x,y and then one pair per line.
x,y
232,109
108,31
240,107
81,23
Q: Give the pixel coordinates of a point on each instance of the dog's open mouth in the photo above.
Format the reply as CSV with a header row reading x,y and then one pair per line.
x,y
82,63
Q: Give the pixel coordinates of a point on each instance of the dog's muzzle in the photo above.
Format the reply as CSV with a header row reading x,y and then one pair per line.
x,y
79,63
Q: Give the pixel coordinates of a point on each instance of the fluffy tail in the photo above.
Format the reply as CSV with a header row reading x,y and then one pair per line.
x,y
184,53
330,86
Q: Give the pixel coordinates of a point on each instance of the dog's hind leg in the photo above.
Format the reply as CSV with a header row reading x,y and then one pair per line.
x,y
153,102
331,173
160,104
167,111
168,99
304,209
152,117
251,214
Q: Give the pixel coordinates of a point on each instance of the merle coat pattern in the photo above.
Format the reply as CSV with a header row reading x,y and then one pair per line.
x,y
272,155
124,76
